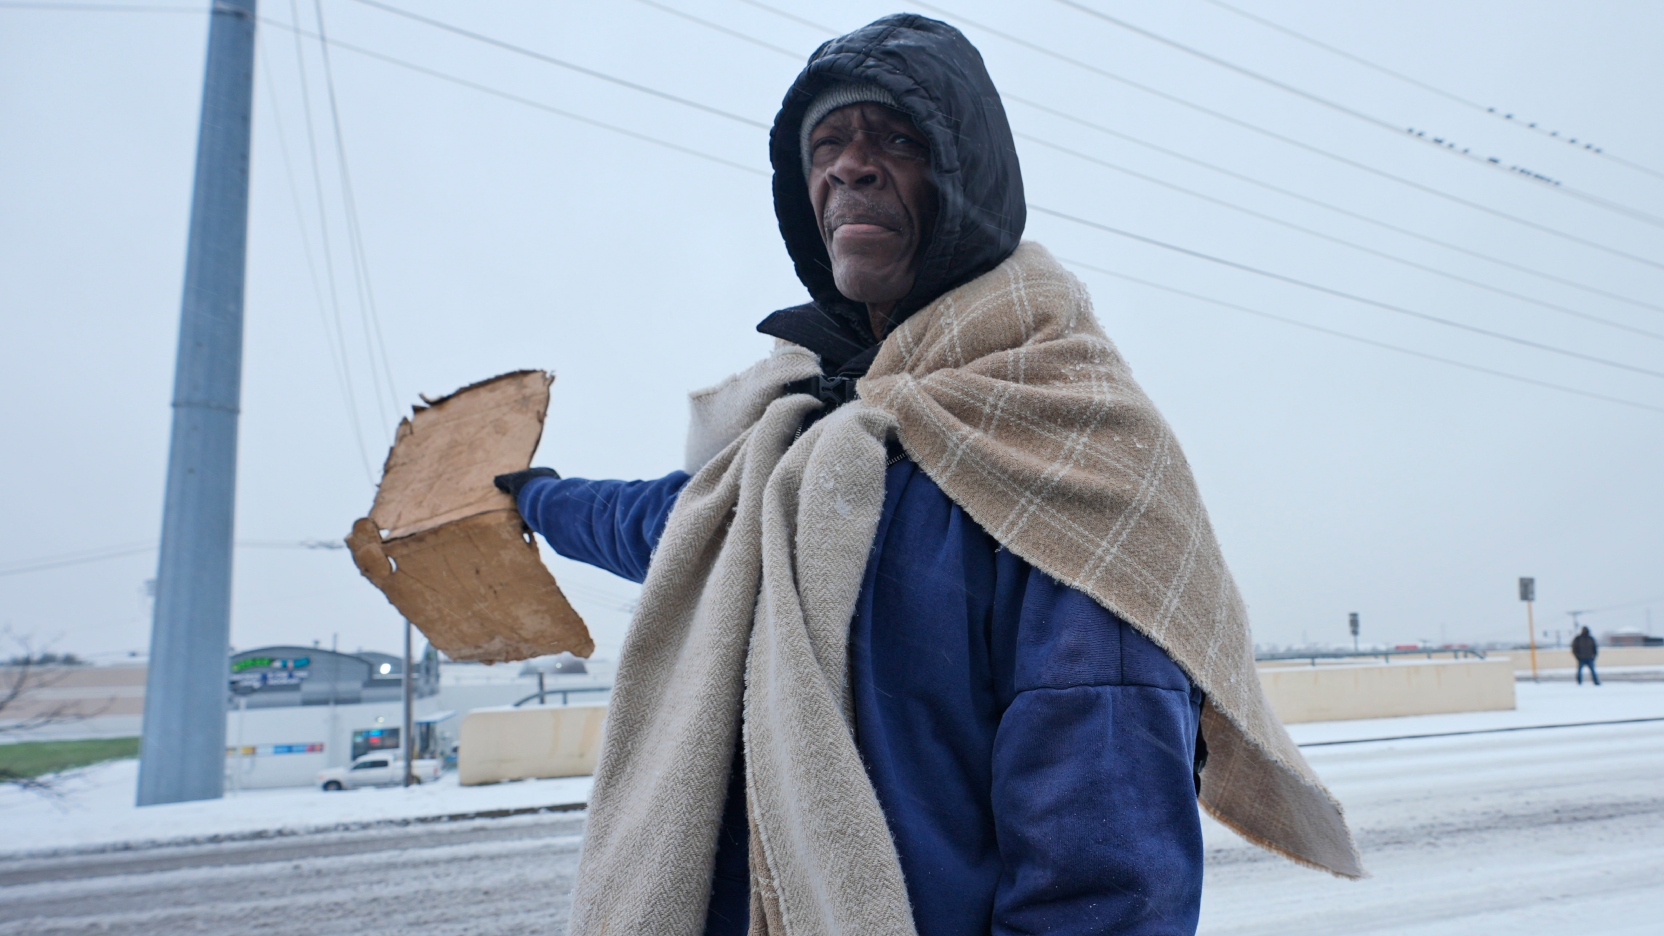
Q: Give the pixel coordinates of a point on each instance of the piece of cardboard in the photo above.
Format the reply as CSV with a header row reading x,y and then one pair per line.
x,y
447,548
445,455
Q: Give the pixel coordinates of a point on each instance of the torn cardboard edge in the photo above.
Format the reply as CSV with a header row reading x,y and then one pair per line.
x,y
447,548
445,454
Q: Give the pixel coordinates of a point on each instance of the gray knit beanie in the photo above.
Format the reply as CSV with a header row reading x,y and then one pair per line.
x,y
833,96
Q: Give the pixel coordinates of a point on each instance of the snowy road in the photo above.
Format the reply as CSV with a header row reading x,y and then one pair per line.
x,y
487,876
1532,832
1525,833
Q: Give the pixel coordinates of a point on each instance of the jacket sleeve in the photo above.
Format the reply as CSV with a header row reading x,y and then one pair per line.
x,y
1093,791
613,525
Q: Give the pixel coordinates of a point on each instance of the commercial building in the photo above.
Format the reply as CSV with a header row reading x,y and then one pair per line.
x,y
293,710
296,710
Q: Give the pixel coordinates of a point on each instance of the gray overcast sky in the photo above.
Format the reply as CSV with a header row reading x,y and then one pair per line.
x,y
1340,476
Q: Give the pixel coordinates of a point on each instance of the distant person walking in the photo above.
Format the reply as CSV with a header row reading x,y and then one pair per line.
x,y
1585,648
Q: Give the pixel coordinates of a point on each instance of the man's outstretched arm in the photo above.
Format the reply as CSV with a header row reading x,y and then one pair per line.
x,y
613,525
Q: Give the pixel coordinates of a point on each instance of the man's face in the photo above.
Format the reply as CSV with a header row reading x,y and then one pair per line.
x,y
870,184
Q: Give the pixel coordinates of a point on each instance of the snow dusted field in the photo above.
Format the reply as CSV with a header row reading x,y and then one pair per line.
x,y
1523,832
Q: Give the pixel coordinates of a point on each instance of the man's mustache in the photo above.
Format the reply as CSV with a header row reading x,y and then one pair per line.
x,y
859,209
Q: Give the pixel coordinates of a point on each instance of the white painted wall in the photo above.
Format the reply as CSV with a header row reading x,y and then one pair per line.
x,y
535,741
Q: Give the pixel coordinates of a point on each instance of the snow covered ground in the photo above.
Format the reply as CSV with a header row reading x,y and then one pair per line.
x,y
493,876
95,809
1524,832
1520,832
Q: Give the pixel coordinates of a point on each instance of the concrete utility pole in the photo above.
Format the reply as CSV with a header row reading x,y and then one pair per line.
x,y
182,755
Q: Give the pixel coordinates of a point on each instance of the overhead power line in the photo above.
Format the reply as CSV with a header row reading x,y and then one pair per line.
x,y
368,315
819,26
87,556
76,558
337,366
1624,606
1328,206
752,40
328,249
562,63
1364,300
1290,141
1074,118
784,14
1354,113
1361,339
1213,167
1394,258
1233,206
486,89
792,54
100,8
1043,210
1339,294
515,98
1434,89
600,596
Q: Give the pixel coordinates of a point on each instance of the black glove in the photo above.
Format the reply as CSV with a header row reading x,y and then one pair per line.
x,y
512,482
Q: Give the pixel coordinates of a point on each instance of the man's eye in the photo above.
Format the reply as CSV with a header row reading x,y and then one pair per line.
x,y
909,143
902,144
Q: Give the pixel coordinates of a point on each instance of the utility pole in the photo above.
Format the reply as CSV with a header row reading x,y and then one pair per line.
x,y
409,722
1576,626
1528,594
182,755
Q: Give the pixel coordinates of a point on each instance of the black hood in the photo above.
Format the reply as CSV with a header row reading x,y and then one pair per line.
x,y
941,83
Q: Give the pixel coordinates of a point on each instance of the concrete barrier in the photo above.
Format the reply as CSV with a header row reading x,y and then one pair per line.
x,y
1550,659
509,743
1333,692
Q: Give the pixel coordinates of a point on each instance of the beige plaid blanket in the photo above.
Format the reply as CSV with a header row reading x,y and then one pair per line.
x,y
1008,395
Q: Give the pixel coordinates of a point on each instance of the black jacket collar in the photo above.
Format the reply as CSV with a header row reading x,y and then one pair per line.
x,y
846,345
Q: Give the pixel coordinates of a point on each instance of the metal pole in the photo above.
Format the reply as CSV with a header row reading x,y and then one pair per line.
x,y
237,776
1531,633
333,750
182,755
409,726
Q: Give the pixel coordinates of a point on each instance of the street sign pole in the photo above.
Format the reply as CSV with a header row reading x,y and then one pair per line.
x,y
182,752
1528,594
1352,624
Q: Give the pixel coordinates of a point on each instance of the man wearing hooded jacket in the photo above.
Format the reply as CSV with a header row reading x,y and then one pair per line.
x,y
896,180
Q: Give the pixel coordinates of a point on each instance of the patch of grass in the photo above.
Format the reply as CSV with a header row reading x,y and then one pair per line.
x,y
33,758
